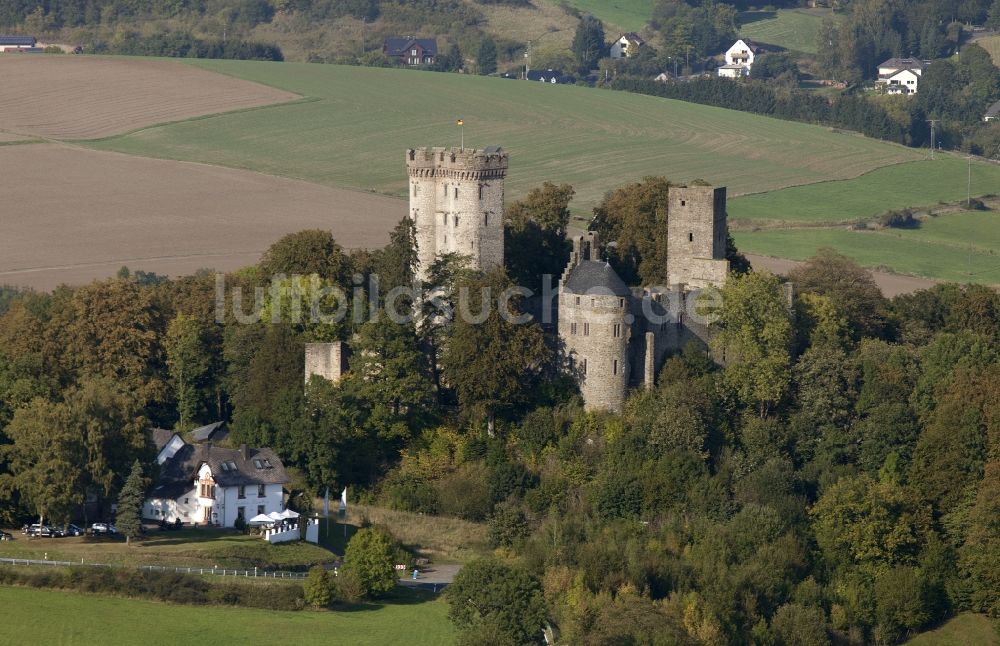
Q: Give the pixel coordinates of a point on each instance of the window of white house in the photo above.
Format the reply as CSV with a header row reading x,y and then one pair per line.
x,y
241,492
260,509
261,491
185,501
413,52
241,512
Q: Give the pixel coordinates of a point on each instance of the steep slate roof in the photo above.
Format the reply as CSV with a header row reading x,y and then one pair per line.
x,y
159,437
208,432
399,46
633,37
597,278
18,41
179,472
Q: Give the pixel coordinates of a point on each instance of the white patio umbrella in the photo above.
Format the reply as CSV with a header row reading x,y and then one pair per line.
x,y
260,519
288,513
275,516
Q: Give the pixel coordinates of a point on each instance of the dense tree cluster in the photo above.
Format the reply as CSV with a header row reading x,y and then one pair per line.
x,y
826,471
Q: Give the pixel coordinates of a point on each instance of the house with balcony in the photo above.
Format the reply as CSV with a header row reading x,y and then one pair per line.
x,y
205,484
901,75
739,59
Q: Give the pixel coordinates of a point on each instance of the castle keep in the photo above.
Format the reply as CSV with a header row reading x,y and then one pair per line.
x,y
456,203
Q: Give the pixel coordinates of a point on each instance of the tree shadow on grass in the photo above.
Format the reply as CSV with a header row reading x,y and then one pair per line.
x,y
747,17
398,597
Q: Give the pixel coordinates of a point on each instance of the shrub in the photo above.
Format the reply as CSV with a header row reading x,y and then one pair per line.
x,y
370,558
902,219
318,590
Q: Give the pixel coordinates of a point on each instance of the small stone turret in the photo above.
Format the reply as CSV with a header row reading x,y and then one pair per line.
x,y
456,202
595,326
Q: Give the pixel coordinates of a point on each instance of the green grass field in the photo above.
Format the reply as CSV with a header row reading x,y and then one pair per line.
x,y
963,247
917,184
963,630
792,29
34,616
992,45
354,133
631,15
190,548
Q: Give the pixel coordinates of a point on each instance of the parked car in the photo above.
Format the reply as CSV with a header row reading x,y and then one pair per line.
x,y
4,536
73,530
40,530
103,528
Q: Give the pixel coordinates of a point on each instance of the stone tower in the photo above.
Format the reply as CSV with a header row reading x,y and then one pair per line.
x,y
456,202
696,236
595,326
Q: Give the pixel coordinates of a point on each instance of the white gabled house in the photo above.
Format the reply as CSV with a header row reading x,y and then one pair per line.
x,y
628,44
739,59
211,485
900,75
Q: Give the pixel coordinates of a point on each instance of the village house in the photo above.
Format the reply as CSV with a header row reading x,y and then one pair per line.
x,y
900,75
17,43
206,484
411,51
627,45
739,59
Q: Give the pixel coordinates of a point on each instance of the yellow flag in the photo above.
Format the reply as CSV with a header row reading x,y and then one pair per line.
x,y
461,122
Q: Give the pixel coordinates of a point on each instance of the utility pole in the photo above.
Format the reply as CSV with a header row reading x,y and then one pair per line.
x,y
527,58
933,140
968,199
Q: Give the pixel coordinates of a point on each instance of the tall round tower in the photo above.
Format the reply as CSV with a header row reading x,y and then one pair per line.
x,y
456,202
595,324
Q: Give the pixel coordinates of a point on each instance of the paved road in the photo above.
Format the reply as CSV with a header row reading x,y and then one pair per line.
x,y
433,577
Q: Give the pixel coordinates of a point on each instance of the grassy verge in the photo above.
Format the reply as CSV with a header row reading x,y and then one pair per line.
x,y
69,618
191,547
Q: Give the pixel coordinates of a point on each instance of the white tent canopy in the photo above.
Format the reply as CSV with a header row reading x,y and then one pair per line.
x,y
288,513
275,516
260,519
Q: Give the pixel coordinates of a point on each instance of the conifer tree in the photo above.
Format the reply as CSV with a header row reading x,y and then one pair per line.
x,y
129,519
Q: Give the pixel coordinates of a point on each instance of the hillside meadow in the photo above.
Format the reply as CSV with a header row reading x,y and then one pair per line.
x,y
912,185
962,247
793,29
354,130
630,15
73,618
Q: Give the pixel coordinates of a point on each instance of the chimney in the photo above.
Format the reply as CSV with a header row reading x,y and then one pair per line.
x,y
245,451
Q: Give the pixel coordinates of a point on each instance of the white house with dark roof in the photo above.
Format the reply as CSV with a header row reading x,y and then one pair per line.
x,y
17,43
901,75
628,44
210,485
739,59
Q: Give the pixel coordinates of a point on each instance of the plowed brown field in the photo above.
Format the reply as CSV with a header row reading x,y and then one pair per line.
x,y
82,97
73,215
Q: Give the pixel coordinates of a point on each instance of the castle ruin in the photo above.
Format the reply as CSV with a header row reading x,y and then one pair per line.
x,y
456,203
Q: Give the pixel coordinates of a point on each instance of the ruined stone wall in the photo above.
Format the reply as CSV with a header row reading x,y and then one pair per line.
x,y
696,236
456,202
327,360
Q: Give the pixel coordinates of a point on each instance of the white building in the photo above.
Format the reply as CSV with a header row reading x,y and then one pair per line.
x,y
210,485
993,113
739,59
627,45
17,43
901,75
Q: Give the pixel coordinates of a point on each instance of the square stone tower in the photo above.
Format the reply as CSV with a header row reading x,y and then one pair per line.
x,y
456,202
696,236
